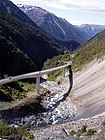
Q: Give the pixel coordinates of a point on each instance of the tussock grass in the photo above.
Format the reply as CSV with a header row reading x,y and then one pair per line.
x,y
93,49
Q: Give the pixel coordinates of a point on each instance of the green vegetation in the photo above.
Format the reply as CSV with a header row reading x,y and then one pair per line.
x,y
13,59
83,129
93,49
16,90
17,36
28,87
19,90
53,75
20,132
103,123
12,92
83,132
55,62
91,132
73,132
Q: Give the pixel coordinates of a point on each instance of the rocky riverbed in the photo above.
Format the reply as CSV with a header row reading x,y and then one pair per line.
x,y
60,109
95,130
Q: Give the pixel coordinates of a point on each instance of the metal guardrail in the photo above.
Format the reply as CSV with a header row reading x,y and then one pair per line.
x,y
36,75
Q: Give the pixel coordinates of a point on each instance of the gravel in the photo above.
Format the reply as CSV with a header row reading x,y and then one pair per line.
x,y
60,109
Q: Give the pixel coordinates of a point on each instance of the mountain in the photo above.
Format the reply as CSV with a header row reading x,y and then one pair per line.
x,y
70,45
13,59
22,36
91,30
6,6
93,49
57,27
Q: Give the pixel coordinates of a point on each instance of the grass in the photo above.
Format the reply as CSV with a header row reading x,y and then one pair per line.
x,y
19,90
27,86
83,132
91,132
53,75
19,132
16,90
13,92
55,62
93,49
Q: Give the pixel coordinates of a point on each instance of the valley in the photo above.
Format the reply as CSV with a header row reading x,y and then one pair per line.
x,y
68,106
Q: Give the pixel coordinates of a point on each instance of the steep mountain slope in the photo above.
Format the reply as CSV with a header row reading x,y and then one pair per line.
x,y
91,30
12,59
26,36
70,45
94,48
6,6
89,83
57,27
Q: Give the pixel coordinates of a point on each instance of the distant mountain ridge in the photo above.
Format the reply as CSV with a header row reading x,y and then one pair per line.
x,y
91,30
57,27
60,28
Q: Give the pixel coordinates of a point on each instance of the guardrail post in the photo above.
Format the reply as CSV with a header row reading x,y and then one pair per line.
x,y
64,72
38,85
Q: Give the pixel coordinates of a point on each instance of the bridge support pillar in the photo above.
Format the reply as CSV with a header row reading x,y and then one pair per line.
x,y
64,72
38,85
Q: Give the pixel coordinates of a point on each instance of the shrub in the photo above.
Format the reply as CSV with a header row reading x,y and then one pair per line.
x,y
55,62
93,49
91,132
83,129
103,124
17,90
73,132
8,131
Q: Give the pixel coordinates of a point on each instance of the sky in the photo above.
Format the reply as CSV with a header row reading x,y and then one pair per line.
x,y
74,11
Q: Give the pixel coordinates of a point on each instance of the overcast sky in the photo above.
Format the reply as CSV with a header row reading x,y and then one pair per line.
x,y
74,11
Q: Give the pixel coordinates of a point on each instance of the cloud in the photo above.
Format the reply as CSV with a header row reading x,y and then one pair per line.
x,y
85,8
82,5
42,3
74,5
83,2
